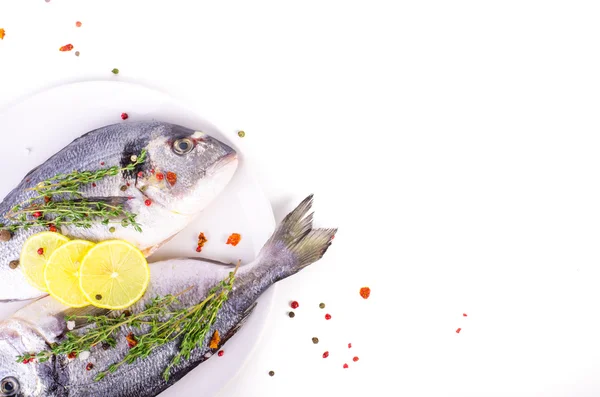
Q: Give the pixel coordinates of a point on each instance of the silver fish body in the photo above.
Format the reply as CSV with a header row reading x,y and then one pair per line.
x,y
198,166
293,246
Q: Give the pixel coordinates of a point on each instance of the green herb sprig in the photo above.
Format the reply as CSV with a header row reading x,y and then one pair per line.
x,y
162,324
59,202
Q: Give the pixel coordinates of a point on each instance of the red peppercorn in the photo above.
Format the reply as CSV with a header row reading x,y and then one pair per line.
x,y
458,330
328,317
89,367
148,202
295,305
355,359
326,354
53,228
365,292
345,365
37,214
93,184
78,24
124,116
72,355
220,353
102,163
160,176
40,251
349,345
152,171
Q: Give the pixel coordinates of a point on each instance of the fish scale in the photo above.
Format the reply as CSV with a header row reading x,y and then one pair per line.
x,y
293,246
202,175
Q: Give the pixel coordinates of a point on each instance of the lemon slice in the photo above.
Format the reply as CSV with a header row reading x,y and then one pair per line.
x,y
35,254
62,272
114,275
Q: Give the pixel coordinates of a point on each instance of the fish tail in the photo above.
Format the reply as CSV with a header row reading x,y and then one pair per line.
x,y
295,244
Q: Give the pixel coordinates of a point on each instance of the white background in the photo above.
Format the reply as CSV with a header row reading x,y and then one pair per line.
x,y
455,145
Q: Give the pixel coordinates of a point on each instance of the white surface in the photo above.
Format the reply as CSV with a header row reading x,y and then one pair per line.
x,y
241,208
455,144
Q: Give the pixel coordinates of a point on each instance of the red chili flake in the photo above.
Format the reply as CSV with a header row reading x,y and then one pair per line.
x,y
326,354
294,305
160,176
458,330
2,34
221,352
131,341
47,199
89,367
171,178
365,292
93,184
72,355
464,314
78,24
349,345
201,241
355,359
40,251
214,342
345,365
328,317
27,360
124,116
67,47
152,171
148,202
37,214
28,180
53,228
140,174
234,239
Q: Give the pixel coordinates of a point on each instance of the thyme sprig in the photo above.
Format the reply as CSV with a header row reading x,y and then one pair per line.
x,y
59,202
160,322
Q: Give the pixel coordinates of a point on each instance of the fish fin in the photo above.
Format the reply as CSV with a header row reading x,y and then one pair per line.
x,y
296,236
213,261
236,327
113,200
83,312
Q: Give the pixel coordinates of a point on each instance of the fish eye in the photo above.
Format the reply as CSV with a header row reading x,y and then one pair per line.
x,y
183,146
9,386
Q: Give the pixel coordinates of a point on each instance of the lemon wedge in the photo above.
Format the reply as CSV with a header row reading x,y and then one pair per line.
x,y
62,273
114,275
35,254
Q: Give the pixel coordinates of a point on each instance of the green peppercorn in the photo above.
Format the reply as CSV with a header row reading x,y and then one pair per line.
x,y
241,134
124,222
123,188
292,314
322,305
115,71
315,340
112,229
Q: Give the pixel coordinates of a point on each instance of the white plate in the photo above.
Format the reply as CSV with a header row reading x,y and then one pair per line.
x,y
50,120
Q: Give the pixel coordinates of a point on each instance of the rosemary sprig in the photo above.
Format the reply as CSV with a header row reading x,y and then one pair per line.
x,y
59,202
161,322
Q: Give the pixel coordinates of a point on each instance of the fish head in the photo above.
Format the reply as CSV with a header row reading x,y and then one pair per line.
x,y
190,168
17,378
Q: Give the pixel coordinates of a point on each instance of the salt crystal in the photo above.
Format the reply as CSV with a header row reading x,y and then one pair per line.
x,y
84,355
70,325
27,151
208,354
